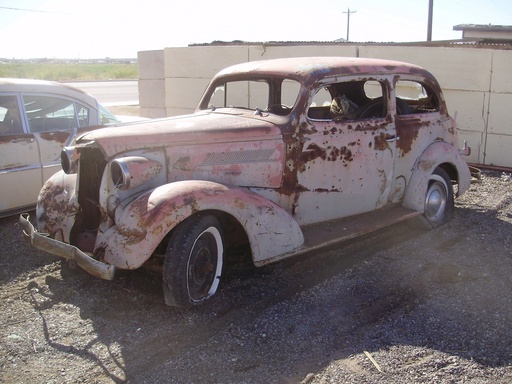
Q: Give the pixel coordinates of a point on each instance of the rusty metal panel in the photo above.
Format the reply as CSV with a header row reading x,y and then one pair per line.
x,y
144,222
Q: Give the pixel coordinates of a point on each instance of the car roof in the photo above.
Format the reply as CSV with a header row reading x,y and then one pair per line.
x,y
321,67
44,86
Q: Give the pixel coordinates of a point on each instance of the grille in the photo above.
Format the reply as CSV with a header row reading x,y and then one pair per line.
x,y
248,156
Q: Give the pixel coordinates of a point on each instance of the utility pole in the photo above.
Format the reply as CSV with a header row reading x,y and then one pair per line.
x,y
348,20
430,17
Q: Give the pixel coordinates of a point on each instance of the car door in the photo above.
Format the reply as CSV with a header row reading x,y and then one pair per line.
x,y
20,166
348,151
54,121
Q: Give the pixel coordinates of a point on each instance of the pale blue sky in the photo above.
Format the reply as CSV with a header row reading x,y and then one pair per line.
x,y
114,28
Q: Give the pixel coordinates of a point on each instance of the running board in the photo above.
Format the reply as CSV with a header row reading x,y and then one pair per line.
x,y
329,233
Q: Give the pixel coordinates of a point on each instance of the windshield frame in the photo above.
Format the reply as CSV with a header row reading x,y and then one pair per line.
x,y
275,96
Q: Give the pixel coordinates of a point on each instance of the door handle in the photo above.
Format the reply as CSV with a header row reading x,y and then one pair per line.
x,y
23,139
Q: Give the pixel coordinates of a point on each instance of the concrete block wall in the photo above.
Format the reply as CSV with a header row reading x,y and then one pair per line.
x,y
152,93
477,83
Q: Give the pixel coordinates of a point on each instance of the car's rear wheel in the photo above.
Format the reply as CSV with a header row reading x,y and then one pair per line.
x,y
193,262
439,203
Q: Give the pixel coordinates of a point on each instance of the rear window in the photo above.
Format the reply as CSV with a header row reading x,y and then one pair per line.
x,y
419,97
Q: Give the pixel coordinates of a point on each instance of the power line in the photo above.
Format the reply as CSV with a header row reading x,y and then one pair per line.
x,y
34,10
348,20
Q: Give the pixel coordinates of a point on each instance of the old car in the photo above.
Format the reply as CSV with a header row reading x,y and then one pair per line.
x,y
281,157
37,120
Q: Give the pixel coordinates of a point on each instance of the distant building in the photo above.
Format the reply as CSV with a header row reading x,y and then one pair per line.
x,y
485,33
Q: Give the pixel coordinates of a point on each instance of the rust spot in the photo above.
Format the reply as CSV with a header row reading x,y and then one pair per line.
x,y
7,139
312,152
182,163
60,136
334,154
192,202
381,143
56,207
289,180
325,190
407,130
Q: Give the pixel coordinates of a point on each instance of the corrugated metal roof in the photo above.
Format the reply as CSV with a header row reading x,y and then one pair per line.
x,y
483,27
462,43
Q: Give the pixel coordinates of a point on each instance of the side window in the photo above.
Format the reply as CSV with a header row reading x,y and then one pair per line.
x,y
289,92
350,100
10,121
413,97
46,113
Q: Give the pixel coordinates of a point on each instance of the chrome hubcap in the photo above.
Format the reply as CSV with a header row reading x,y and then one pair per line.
x,y
435,203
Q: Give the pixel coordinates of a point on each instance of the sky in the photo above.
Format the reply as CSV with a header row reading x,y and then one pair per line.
x,y
72,29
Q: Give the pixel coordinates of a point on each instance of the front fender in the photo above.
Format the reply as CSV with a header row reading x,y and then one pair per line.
x,y
57,206
434,155
144,222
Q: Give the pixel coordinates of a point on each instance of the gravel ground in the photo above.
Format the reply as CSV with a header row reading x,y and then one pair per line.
x,y
398,306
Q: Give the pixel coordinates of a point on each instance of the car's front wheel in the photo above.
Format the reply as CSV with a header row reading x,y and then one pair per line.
x,y
193,262
439,203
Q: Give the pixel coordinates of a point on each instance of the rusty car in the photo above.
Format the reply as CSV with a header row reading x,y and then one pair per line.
x,y
281,157
37,120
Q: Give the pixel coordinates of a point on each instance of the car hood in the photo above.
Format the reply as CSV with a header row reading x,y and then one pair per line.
x,y
199,128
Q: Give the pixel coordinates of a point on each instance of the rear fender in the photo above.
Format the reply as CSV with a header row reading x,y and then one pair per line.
x,y
144,222
436,154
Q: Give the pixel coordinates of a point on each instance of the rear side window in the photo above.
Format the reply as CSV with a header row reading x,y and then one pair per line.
x,y
47,113
414,97
83,115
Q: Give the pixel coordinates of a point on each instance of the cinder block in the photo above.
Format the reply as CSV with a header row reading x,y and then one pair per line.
x,y
178,111
502,72
152,93
500,113
497,150
153,113
202,62
469,109
184,93
151,64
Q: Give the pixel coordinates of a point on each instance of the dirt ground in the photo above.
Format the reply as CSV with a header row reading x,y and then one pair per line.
x,y
398,306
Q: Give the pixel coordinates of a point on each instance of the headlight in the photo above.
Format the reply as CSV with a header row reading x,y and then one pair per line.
x,y
69,160
130,172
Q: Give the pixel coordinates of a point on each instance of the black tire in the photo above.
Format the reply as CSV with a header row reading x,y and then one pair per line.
x,y
193,262
439,204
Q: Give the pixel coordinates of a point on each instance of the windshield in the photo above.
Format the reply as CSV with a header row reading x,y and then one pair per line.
x,y
276,96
